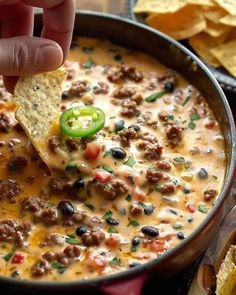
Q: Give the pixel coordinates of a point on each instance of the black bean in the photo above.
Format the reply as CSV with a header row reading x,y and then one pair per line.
x,y
117,57
78,184
120,125
65,95
135,241
81,230
118,153
169,86
112,221
148,209
202,173
66,208
190,219
134,263
135,127
15,274
150,231
186,191
180,235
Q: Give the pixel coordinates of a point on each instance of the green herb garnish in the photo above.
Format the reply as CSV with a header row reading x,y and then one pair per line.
x,y
88,63
202,208
113,230
153,97
133,248
107,168
128,198
107,153
58,266
90,206
194,117
133,223
191,125
115,261
186,100
72,241
171,117
177,226
50,205
86,49
130,162
158,188
8,256
72,165
214,177
179,159
107,215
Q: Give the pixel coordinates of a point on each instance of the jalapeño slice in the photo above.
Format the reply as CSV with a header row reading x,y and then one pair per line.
x,y
82,121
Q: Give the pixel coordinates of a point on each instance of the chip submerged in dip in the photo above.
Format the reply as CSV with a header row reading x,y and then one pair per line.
x,y
139,161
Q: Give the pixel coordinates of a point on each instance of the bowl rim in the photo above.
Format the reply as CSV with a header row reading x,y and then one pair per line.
x,y
124,275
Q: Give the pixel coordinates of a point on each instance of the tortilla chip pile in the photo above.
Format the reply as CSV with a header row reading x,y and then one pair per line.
x,y
225,278
209,26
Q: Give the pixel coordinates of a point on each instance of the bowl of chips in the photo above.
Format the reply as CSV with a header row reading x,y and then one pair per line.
x,y
207,27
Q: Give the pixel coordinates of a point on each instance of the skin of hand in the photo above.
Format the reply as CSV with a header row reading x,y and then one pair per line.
x,y
22,54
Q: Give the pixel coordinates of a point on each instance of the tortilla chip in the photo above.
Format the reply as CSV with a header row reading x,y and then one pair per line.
x,y
38,98
231,36
182,24
228,5
229,20
202,2
214,14
216,30
225,278
202,43
225,54
158,6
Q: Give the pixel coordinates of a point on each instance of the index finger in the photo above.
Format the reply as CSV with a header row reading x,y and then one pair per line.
x,y
58,18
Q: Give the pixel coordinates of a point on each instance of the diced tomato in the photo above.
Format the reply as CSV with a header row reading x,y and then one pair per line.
x,y
157,246
102,175
113,242
210,124
191,208
138,195
93,150
97,263
17,258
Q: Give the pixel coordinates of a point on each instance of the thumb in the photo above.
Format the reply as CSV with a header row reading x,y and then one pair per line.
x,y
28,55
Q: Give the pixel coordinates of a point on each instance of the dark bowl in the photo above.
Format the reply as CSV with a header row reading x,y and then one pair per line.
x,y
172,54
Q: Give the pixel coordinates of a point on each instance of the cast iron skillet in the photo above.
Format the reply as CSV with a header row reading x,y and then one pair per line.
x,y
172,54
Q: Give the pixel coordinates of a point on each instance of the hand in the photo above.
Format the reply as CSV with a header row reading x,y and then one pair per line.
x,y
22,54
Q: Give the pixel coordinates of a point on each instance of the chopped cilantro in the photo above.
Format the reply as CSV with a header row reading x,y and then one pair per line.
x,y
107,168
87,49
88,63
186,100
202,208
128,198
58,266
191,125
177,226
153,97
171,117
214,177
133,223
130,162
90,206
113,117
107,215
113,230
8,256
158,188
133,248
72,241
71,165
115,261
107,153
194,117
50,205
179,159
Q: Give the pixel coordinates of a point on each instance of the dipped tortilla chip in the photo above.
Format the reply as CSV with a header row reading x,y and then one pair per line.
x,y
182,24
214,14
158,6
228,5
202,43
38,98
202,2
216,30
231,36
229,20
225,278
225,53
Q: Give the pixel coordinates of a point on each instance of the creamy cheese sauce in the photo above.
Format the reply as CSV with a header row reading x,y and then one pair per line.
x,y
168,181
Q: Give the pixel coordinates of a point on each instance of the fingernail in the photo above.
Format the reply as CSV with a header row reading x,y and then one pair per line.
x,y
49,57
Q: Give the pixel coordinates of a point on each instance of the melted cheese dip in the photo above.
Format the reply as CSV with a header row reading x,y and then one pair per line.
x,y
131,192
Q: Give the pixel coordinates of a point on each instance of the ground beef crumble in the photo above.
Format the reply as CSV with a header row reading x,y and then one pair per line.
x,y
101,88
151,147
78,88
10,188
174,133
125,136
124,72
5,123
17,164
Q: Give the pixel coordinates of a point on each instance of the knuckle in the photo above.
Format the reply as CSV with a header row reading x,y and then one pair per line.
x,y
20,56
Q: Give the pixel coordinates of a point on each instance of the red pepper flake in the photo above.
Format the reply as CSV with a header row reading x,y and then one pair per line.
x,y
191,208
17,258
157,246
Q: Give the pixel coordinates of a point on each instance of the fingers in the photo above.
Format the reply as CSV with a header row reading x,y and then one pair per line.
x,y
10,82
59,23
43,3
28,55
